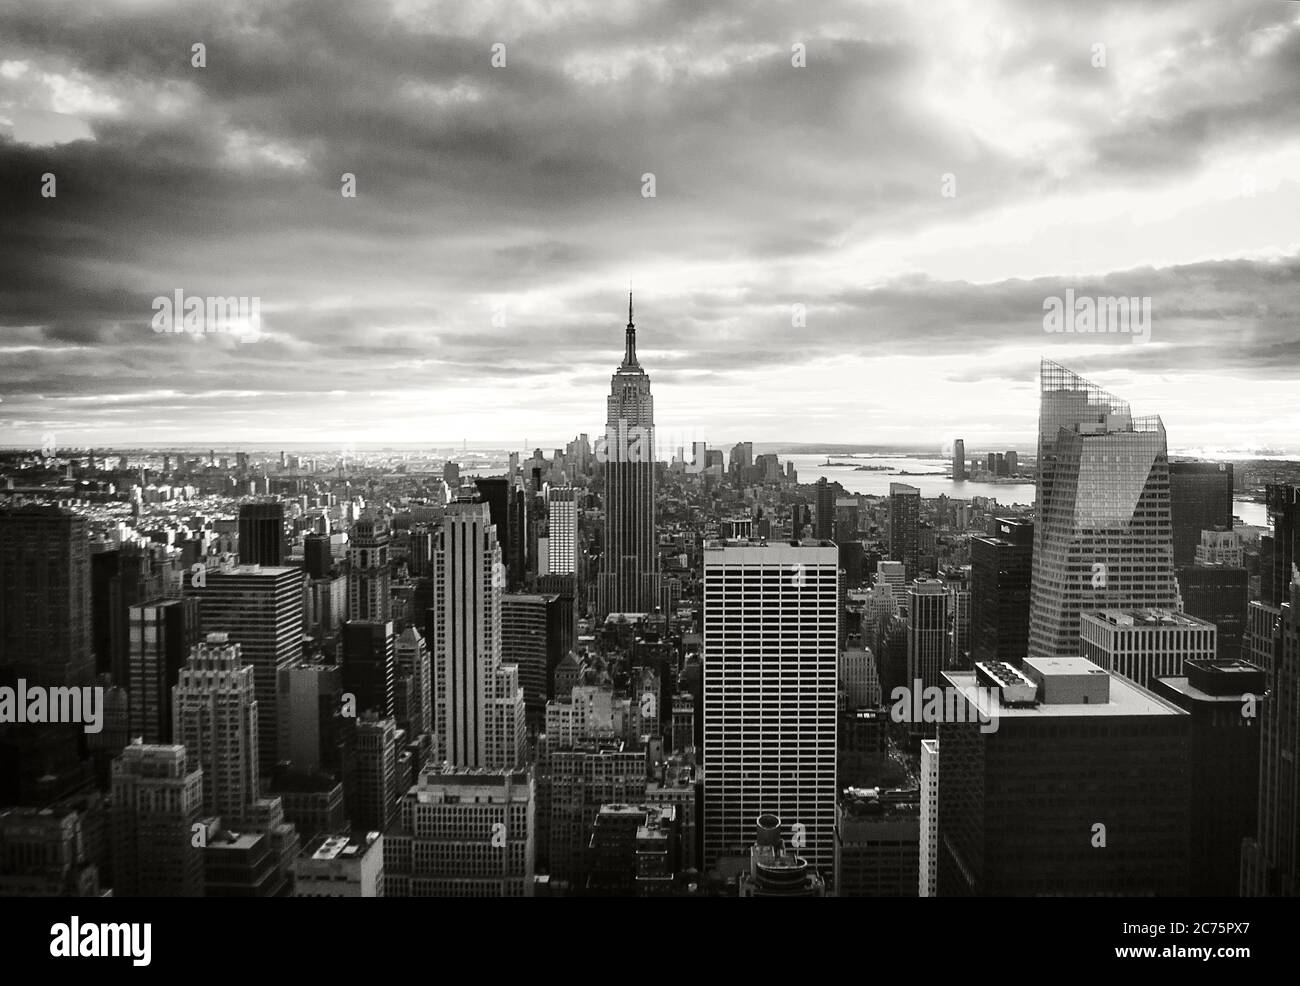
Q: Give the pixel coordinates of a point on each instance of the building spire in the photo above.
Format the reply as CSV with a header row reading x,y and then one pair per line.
x,y
629,352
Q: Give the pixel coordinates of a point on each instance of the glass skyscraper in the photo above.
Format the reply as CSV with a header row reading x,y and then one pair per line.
x,y
1103,537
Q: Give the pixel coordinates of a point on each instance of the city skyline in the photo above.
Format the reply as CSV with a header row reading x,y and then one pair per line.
x,y
937,535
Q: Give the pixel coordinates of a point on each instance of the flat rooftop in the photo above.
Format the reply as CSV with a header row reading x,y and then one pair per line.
x,y
1147,618
340,846
1126,698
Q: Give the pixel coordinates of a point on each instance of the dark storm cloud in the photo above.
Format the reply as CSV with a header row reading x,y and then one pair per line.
x,y
499,210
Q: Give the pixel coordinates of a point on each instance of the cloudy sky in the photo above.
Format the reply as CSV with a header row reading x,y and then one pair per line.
x,y
475,286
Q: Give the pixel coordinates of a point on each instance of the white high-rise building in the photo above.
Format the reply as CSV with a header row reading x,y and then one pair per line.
x,y
1145,644
929,818
562,514
479,701
214,716
771,625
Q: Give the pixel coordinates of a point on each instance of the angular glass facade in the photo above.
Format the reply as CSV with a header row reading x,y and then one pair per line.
x,y
1103,536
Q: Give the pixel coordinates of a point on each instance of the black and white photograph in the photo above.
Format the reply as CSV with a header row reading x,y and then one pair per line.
x,y
651,448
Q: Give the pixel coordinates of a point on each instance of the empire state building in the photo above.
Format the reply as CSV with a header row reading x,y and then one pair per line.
x,y
629,580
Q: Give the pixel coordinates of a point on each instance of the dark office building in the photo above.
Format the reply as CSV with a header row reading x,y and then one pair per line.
x,y
532,638
261,534
1271,860
1225,766
1283,547
800,520
162,631
507,509
316,556
905,528
261,609
1116,821
824,520
1221,595
369,662
877,843
1001,564
45,600
1200,499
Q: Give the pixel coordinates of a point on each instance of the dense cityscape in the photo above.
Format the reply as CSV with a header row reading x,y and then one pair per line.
x,y
611,669
502,450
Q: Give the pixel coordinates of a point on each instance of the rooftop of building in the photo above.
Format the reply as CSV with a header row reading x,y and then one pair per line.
x,y
1224,682
762,544
348,845
1147,618
1125,698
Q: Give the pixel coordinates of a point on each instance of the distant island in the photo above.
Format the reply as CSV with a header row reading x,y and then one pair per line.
x,y
875,469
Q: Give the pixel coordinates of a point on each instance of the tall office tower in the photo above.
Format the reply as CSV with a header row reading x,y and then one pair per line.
x,y
261,609
45,602
215,719
1115,757
958,460
562,511
905,527
157,800
1013,463
119,579
309,697
1283,502
877,843
480,705
369,660
771,626
1225,765
563,586
929,834
845,527
261,534
824,506
1145,644
1102,532
414,684
369,577
463,833
1200,499
1000,568
318,559
629,579
957,650
926,615
532,639
368,753
161,635
451,474
1271,860
1221,595
741,460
